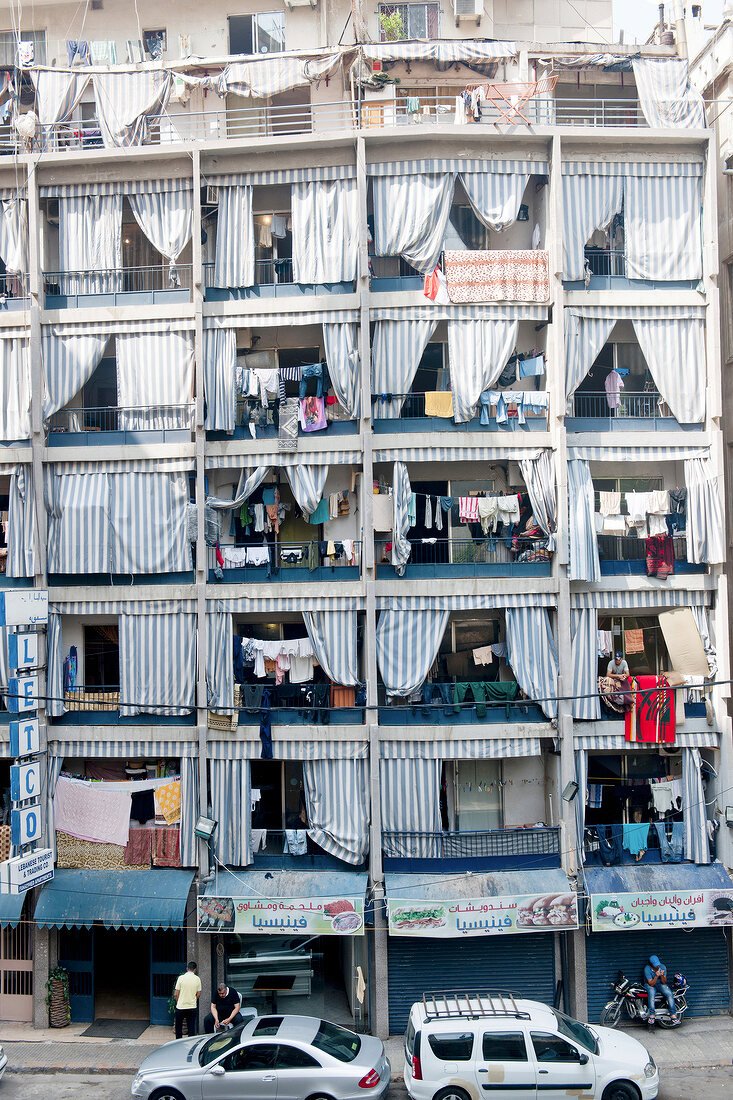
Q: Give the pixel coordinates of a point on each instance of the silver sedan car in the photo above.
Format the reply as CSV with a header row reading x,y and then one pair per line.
x,y
268,1058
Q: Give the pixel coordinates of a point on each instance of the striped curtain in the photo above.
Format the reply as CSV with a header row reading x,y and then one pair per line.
x,y
57,95
14,235
693,808
249,480
666,95
411,215
705,523
581,778
166,219
663,227
539,477
90,241
584,661
220,364
584,564
397,348
15,388
532,655
22,527
157,663
4,658
407,644
79,536
325,231
478,352
219,667
333,634
127,103
337,805
401,496
590,201
495,196
234,265
54,666
154,380
675,354
229,791
584,338
410,801
340,341
189,810
148,522
307,483
69,361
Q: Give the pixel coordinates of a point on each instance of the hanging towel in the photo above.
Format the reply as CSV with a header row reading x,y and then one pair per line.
x,y
634,641
428,513
168,801
530,368
636,837
652,715
614,525
659,503
412,510
439,403
139,848
89,812
595,796
483,656
662,797
438,515
605,643
320,515
610,504
509,509
468,509
167,850
488,511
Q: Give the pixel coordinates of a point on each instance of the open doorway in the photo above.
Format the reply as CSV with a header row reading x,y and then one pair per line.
x,y
121,974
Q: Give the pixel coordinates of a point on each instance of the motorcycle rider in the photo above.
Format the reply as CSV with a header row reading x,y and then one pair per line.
x,y
655,978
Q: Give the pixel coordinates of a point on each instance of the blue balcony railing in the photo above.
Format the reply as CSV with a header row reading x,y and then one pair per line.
x,y
625,554
505,849
646,406
272,279
14,291
291,849
284,562
133,424
484,556
604,843
127,286
100,705
413,417
441,704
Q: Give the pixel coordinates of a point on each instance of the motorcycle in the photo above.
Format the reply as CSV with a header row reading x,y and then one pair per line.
x,y
631,997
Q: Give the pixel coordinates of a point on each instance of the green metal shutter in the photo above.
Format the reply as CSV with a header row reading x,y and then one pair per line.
x,y
701,955
523,964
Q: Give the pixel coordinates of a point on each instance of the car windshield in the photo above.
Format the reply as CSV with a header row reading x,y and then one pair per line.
x,y
337,1041
218,1045
573,1029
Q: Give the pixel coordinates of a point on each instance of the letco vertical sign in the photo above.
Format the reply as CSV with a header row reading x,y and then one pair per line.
x,y
24,613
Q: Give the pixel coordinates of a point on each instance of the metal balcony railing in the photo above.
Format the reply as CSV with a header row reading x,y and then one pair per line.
x,y
103,698
412,407
283,556
609,262
113,419
491,843
643,406
629,548
267,273
441,703
13,286
268,845
128,280
481,551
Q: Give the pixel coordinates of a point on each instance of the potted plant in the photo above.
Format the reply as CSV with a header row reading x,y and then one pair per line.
x,y
57,997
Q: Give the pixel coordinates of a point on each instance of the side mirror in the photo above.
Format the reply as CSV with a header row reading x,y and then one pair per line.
x,y
584,1059
218,1071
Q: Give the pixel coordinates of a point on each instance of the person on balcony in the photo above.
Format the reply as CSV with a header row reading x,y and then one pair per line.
x,y
618,672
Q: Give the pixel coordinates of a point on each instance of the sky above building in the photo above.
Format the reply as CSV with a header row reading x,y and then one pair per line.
x,y
637,17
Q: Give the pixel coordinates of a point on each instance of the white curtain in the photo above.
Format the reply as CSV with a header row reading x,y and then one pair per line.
x,y
584,338
55,661
90,242
539,477
307,483
189,810
166,219
220,364
219,667
411,215
333,634
410,801
14,235
705,523
249,480
234,265
694,811
78,507
147,522
128,102
231,807
157,663
69,361
663,227
57,94
584,661
666,95
532,655
22,527
340,341
407,645
337,805
590,201
154,380
478,352
584,564
401,496
15,388
675,354
495,196
325,215
397,348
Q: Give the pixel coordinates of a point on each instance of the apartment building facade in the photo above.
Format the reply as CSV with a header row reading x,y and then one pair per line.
x,y
337,556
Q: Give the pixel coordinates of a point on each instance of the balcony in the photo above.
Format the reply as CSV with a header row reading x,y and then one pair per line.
x,y
438,706
130,286
14,292
412,418
273,279
491,849
490,556
645,411
275,852
623,555
286,562
251,414
606,270
300,704
609,839
99,706
98,427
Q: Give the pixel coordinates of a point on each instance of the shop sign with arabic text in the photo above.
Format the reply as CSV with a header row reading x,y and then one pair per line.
x,y
658,911
483,916
332,916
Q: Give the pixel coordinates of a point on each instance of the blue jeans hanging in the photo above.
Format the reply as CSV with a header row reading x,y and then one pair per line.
x,y
314,370
265,726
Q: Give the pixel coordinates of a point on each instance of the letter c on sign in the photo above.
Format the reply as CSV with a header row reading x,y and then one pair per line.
x,y
30,781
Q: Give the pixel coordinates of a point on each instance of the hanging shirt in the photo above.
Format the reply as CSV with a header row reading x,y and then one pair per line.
x,y
614,385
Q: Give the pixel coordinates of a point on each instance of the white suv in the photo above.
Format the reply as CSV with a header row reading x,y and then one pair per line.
x,y
459,1046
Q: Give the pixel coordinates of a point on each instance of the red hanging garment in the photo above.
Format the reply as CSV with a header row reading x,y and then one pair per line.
x,y
652,716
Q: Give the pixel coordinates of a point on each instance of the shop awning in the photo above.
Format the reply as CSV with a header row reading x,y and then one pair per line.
x,y
288,884
11,906
431,887
670,897
655,878
116,899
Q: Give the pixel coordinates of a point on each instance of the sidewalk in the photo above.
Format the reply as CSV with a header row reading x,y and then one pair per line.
x,y
697,1044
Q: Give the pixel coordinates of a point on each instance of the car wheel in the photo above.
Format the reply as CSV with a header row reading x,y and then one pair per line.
x,y
621,1090
167,1094
451,1093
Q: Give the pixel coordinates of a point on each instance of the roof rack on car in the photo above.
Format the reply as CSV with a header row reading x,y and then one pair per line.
x,y
471,1004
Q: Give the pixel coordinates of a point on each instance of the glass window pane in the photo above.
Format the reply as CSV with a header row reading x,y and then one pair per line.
x,y
270,32
505,1046
417,26
550,1048
452,1048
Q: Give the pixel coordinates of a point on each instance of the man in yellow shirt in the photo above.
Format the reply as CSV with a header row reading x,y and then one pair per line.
x,y
187,993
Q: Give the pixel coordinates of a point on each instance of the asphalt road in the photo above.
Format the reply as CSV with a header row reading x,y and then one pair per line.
x,y
676,1085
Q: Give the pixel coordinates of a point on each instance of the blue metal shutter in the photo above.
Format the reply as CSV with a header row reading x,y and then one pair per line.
x,y
524,964
701,955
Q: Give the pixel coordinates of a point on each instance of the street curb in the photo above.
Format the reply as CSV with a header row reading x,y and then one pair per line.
x,y
97,1070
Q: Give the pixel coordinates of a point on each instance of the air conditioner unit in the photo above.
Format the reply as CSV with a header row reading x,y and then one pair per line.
x,y
468,9
212,195
300,3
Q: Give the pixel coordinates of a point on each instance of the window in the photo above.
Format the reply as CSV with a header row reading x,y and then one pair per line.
x,y
550,1048
263,33
101,656
293,1058
452,1048
418,21
9,47
337,1041
505,1046
219,1045
268,1025
248,1059
573,1029
155,43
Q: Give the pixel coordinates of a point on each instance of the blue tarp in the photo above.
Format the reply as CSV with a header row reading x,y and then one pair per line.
x,y
116,899
655,878
10,908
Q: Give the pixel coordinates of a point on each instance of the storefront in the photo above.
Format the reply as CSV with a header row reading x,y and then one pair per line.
x,y
305,928
480,930
16,958
121,937
683,913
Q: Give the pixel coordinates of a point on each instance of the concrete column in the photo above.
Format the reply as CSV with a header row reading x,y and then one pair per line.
x,y
42,966
577,993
